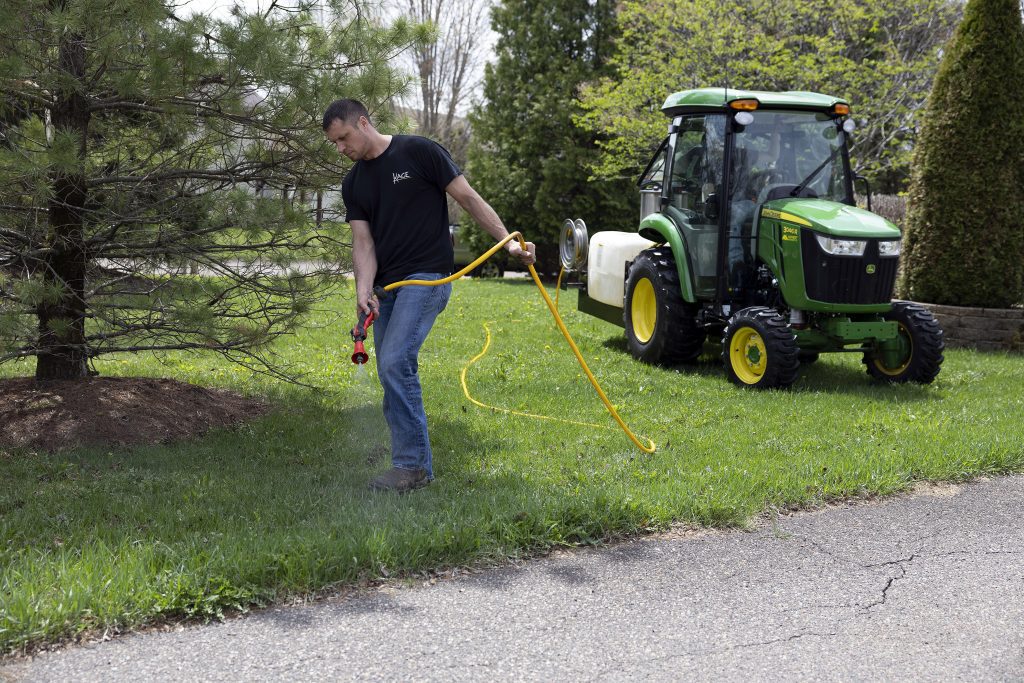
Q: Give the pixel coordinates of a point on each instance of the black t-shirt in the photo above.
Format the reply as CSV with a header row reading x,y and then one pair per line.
x,y
401,194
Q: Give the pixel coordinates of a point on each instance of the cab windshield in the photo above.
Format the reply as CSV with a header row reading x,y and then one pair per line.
x,y
779,152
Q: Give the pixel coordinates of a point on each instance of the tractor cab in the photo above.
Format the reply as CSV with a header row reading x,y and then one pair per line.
x,y
715,173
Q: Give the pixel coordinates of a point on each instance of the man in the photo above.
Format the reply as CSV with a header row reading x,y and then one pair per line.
x,y
395,199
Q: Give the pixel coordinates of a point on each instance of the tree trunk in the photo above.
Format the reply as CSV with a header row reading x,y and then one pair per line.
x,y
62,349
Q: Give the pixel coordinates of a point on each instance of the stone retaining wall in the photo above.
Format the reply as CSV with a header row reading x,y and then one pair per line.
x,y
985,329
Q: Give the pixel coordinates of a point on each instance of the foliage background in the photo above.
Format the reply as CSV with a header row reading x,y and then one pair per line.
x,y
527,157
881,56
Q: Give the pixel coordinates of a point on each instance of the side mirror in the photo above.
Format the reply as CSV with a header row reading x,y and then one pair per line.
x,y
867,188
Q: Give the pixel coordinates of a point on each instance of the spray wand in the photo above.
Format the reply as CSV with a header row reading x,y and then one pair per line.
x,y
359,355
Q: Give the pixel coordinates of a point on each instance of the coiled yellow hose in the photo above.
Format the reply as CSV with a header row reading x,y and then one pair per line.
x,y
648,448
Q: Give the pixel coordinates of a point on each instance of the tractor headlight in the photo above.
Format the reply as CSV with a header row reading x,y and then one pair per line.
x,y
837,247
889,247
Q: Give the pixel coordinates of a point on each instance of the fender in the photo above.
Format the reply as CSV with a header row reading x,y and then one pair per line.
x,y
658,228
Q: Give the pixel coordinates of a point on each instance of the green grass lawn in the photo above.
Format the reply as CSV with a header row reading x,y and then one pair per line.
x,y
99,538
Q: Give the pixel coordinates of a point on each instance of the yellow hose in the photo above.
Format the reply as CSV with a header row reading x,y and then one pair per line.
x,y
509,411
650,448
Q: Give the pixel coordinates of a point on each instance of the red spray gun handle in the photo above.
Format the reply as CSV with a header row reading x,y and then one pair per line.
x,y
359,355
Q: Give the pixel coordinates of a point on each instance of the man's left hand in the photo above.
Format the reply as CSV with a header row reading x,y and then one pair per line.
x,y
528,257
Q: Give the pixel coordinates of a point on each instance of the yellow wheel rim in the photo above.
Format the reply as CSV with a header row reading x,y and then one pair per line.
x,y
643,310
908,342
748,355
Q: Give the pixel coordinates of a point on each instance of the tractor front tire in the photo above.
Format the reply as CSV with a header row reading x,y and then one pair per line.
x,y
921,345
759,349
661,328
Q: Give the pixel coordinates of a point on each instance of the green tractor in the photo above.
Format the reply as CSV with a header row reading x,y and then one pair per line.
x,y
749,230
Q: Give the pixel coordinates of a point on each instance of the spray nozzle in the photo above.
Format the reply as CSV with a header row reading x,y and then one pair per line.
x,y
359,355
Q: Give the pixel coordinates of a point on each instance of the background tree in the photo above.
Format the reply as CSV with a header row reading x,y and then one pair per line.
x,y
964,243
527,157
880,55
137,146
448,68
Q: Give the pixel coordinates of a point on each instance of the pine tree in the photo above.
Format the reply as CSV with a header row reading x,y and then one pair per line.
x,y
160,176
528,158
964,243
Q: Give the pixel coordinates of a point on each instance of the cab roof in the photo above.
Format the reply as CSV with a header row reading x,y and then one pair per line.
x,y
718,99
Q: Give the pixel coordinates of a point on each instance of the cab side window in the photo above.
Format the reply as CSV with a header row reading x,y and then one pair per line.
x,y
654,175
687,169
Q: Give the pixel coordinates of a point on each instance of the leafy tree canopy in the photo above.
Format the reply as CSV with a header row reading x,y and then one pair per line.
x,y
161,176
881,56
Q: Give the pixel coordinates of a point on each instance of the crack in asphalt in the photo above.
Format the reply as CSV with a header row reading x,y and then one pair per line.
x,y
903,562
901,565
795,636
890,563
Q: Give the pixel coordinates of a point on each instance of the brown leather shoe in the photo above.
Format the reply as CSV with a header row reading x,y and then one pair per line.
x,y
400,480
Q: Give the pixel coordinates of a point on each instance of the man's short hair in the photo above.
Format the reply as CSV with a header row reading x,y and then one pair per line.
x,y
346,110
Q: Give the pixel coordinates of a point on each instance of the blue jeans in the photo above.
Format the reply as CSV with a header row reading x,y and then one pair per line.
x,y
404,321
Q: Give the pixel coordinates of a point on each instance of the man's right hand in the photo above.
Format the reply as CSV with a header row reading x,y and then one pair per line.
x,y
367,303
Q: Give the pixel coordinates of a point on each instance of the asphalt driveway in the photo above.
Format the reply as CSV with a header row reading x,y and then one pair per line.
x,y
925,586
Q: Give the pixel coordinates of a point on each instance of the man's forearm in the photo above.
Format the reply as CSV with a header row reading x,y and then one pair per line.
x,y
364,263
486,217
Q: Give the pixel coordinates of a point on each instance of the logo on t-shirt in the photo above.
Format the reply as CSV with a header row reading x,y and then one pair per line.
x,y
395,177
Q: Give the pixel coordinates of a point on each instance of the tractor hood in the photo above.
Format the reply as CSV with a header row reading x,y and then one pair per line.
x,y
831,218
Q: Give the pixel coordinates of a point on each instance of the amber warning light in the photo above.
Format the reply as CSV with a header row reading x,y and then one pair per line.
x,y
744,105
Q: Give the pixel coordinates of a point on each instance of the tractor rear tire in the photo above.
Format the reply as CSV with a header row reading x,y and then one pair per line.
x,y
922,344
661,328
759,349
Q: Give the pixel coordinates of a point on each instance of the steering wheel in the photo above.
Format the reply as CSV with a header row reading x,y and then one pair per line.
x,y
762,196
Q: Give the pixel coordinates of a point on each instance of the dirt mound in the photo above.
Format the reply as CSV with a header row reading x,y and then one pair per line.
x,y
118,411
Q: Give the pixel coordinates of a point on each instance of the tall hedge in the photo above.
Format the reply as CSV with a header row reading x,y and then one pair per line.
x,y
964,242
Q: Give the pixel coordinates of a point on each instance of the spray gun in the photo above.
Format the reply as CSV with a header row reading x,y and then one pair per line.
x,y
359,355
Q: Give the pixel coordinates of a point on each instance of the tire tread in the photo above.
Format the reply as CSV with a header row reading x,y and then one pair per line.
x,y
783,365
678,338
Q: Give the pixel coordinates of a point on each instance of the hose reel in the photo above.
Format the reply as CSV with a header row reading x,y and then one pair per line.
x,y
573,244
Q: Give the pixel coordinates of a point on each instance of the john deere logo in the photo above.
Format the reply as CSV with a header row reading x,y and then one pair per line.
x,y
871,269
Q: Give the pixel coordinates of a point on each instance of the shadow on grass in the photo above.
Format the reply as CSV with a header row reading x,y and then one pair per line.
x,y
819,377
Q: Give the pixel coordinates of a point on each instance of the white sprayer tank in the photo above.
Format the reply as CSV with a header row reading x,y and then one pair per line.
x,y
606,270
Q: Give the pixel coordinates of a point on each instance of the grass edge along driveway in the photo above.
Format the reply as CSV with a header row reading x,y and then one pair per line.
x,y
107,538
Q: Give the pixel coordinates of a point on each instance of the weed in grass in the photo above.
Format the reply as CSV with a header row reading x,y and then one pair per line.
x,y
98,538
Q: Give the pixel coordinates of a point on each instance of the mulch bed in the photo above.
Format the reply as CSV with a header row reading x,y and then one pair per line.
x,y
113,411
